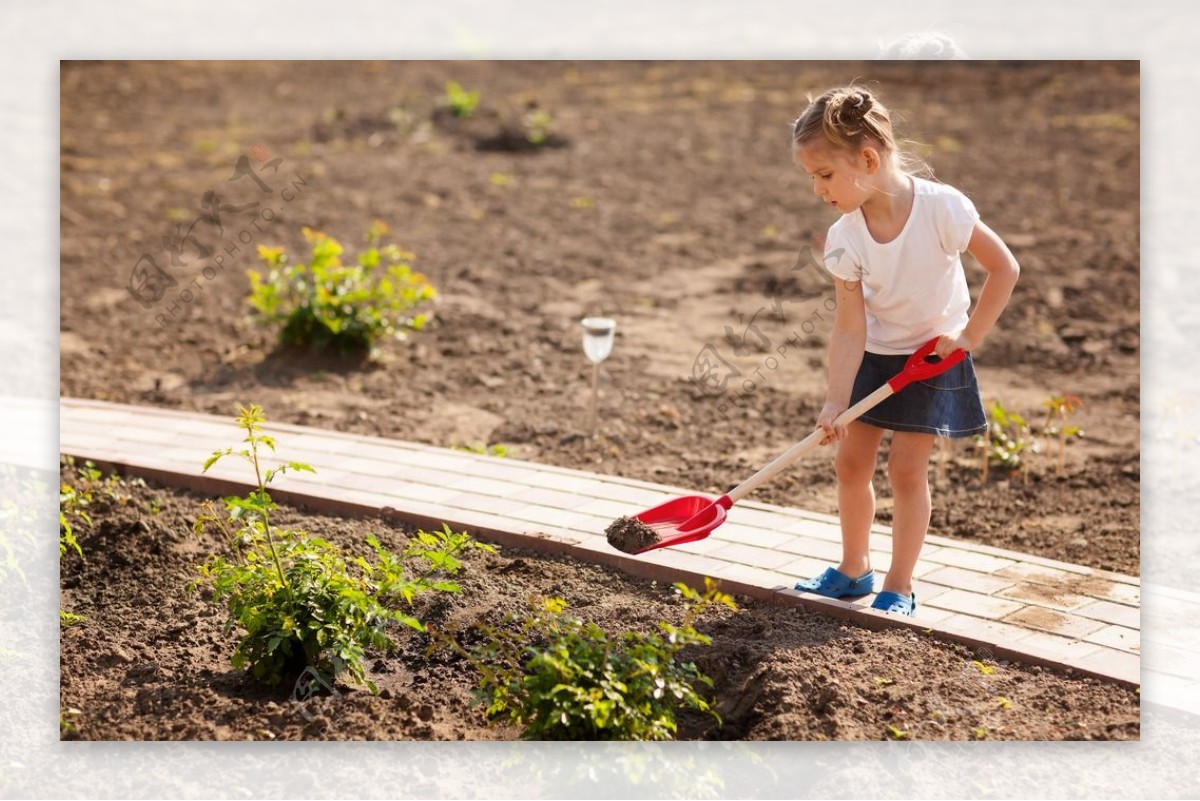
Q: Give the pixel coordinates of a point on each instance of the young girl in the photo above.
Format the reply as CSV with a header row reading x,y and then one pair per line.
x,y
895,251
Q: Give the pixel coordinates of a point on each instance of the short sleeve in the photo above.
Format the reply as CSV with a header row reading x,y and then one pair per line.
x,y
956,222
840,258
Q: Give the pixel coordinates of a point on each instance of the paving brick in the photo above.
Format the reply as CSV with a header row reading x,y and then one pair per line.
x,y
604,507
924,568
930,615
1066,624
733,532
814,529
970,560
753,556
477,485
561,518
973,603
693,563
472,501
424,475
981,630
1113,663
970,580
802,568
1119,637
1125,594
542,497
564,483
1024,571
771,521
813,548
752,575
1044,595
1109,612
837,607
705,546
1067,649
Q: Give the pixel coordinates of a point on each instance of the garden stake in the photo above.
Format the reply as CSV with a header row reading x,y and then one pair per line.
x,y
597,344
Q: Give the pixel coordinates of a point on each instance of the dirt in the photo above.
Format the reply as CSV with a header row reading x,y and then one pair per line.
x,y
668,203
152,662
630,535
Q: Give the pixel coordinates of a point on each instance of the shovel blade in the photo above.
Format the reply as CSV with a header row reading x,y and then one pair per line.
x,y
686,519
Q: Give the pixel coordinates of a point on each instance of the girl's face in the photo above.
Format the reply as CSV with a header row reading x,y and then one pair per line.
x,y
840,179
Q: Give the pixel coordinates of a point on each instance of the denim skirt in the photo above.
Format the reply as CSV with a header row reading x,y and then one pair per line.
x,y
948,405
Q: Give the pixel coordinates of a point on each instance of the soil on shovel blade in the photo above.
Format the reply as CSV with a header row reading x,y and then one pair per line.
x,y
630,535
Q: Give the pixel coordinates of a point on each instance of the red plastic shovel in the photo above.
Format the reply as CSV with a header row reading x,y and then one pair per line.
x,y
694,517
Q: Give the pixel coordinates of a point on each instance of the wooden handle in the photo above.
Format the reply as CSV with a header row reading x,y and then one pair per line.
x,y
807,444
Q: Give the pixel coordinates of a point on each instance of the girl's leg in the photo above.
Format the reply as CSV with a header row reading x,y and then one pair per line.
x,y
908,469
855,466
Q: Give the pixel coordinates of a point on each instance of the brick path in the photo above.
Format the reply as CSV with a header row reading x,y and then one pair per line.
x,y
1016,605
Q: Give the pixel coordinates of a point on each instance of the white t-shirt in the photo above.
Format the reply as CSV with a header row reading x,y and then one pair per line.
x,y
914,286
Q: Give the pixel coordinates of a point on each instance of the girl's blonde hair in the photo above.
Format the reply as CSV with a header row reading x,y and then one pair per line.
x,y
848,118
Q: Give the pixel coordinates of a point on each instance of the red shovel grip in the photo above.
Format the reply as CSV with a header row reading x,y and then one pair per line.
x,y
918,368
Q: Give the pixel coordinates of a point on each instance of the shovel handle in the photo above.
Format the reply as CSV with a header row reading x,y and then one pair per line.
x,y
916,368
811,442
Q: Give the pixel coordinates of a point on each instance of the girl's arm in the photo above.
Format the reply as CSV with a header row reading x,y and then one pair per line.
x,y
846,346
1002,269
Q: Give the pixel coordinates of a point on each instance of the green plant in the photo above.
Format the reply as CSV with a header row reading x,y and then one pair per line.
x,y
1058,409
66,721
461,102
68,619
1007,439
562,678
499,450
328,303
536,123
298,599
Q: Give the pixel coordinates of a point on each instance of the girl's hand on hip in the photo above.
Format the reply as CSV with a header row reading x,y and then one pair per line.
x,y
948,343
829,413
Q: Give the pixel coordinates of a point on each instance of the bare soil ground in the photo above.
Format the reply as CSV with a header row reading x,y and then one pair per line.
x,y
152,663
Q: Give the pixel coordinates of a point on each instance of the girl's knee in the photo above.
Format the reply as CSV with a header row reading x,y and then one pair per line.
x,y
855,466
908,474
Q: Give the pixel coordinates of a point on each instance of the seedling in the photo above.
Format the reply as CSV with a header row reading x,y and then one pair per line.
x,y
897,734
483,449
1058,409
536,123
298,599
461,102
562,678
986,670
348,306
1007,439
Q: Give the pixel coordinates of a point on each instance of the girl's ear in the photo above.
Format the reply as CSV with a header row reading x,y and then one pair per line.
x,y
870,159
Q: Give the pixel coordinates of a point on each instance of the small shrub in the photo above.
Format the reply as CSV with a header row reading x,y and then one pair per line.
x,y
348,306
461,102
561,678
299,601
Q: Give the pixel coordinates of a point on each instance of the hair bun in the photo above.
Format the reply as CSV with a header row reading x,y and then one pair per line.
x,y
857,102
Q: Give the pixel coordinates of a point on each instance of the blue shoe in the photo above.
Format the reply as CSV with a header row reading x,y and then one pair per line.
x,y
833,583
888,601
